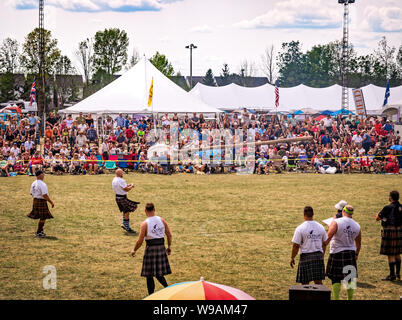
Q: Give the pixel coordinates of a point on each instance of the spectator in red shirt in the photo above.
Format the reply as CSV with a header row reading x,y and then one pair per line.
x,y
36,162
92,164
130,133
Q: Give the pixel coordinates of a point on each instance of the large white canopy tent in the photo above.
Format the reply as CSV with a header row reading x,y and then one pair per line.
x,y
233,96
129,94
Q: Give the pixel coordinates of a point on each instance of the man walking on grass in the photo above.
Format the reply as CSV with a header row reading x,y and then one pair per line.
x,y
391,235
309,238
40,209
155,262
125,205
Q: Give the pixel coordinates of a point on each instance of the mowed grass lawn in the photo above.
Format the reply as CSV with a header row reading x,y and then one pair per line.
x,y
230,229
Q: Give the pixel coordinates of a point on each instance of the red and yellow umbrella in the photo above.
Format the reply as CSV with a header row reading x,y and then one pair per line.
x,y
199,290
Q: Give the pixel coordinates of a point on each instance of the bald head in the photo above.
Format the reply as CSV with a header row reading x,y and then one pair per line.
x,y
119,173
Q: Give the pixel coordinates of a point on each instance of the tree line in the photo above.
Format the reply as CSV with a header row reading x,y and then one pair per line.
x,y
106,54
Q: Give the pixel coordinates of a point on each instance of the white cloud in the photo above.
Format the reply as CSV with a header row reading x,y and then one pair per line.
x,y
201,29
383,19
96,5
297,14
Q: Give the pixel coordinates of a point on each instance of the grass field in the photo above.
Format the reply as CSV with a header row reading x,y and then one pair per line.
x,y
229,229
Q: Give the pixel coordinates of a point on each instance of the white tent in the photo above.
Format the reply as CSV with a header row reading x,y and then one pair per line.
x,y
129,94
233,96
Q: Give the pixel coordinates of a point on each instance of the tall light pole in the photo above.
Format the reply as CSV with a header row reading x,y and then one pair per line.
x,y
42,104
345,53
191,47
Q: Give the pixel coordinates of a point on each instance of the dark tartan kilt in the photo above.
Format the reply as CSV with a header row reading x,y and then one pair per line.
x,y
155,263
391,240
311,267
336,263
40,210
126,205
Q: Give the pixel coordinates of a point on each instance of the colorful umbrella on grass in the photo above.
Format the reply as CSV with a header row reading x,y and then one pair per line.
x,y
199,290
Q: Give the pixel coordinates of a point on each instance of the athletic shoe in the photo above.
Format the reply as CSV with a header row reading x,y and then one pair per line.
x,y
131,231
389,278
40,235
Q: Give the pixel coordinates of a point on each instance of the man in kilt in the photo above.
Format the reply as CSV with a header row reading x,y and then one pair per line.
x,y
309,238
344,236
125,205
391,235
155,262
40,209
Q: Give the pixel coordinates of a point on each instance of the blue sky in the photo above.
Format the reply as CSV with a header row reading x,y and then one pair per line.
x,y
225,31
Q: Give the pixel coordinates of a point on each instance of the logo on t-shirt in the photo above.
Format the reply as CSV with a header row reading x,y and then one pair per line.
x,y
157,231
350,233
313,236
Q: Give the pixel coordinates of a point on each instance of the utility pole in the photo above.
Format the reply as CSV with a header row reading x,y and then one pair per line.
x,y
191,47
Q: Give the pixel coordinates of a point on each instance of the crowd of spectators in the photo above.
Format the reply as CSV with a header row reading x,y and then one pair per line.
x,y
342,144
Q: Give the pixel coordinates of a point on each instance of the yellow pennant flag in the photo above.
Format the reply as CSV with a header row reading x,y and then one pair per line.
x,y
151,93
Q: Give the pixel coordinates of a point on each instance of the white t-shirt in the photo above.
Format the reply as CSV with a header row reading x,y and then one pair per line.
x,y
155,228
38,189
118,184
310,235
344,238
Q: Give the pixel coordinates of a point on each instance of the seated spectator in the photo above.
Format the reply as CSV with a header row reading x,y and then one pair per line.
x,y
37,162
57,165
92,135
5,167
75,166
92,164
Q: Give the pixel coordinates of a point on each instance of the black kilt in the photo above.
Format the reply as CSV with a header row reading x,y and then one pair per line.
x,y
40,210
391,240
155,262
311,267
126,205
336,263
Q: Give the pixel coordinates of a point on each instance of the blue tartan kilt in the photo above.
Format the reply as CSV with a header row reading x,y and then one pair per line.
x,y
155,262
311,267
336,263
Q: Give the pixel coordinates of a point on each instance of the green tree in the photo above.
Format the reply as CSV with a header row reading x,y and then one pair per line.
x,y
110,50
7,90
30,60
162,64
9,55
291,64
209,79
225,75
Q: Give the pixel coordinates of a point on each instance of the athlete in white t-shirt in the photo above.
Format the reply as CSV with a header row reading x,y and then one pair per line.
x,y
344,237
309,238
121,188
40,210
155,262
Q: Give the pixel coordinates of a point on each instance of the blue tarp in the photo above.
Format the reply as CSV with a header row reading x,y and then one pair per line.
x,y
341,111
326,112
396,147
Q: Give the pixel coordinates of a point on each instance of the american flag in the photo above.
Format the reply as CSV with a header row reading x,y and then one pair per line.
x,y
277,93
32,95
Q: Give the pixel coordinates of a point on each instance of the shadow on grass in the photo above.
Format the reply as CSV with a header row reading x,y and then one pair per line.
x,y
364,285
50,238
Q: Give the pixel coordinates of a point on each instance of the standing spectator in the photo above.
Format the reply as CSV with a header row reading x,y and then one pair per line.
x,y
391,235
344,236
309,238
155,262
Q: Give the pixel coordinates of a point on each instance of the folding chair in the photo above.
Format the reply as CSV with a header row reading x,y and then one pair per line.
x,y
111,163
